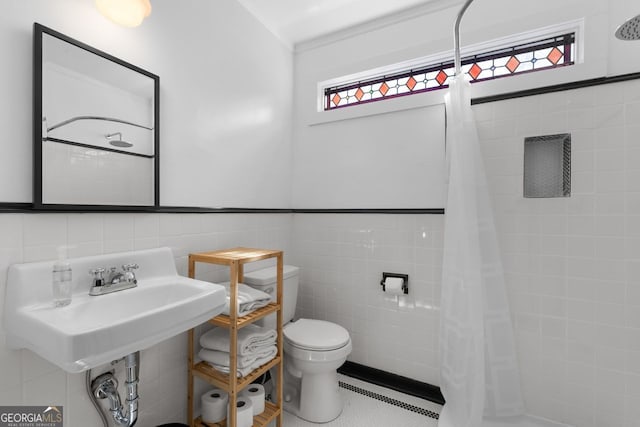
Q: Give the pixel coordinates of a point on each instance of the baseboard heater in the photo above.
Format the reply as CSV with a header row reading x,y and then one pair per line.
x,y
392,381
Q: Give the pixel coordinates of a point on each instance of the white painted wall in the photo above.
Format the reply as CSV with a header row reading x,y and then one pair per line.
x,y
366,48
225,98
347,168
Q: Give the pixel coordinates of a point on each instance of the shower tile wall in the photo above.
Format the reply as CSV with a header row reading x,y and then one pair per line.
x,y
573,264
342,257
27,379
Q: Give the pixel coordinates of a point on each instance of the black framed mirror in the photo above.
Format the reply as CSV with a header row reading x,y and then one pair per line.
x,y
96,128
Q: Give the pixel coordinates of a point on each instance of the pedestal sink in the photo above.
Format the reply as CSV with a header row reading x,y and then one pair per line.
x,y
94,330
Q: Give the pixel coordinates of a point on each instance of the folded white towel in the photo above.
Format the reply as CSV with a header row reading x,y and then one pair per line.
x,y
221,358
243,372
249,299
251,338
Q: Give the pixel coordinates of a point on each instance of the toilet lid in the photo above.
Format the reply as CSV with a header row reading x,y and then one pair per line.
x,y
311,334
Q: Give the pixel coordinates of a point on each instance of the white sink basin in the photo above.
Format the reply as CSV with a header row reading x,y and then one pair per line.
x,y
94,330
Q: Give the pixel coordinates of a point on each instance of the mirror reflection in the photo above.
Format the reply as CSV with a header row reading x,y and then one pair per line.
x,y
98,137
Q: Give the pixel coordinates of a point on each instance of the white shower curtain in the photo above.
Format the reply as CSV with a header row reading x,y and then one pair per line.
x,y
478,364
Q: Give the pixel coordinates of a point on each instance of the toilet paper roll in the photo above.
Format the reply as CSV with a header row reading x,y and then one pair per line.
x,y
244,412
393,285
214,405
255,392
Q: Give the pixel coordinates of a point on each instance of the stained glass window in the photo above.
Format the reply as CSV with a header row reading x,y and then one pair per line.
x,y
543,54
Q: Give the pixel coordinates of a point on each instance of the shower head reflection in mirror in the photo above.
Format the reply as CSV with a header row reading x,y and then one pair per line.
x,y
117,142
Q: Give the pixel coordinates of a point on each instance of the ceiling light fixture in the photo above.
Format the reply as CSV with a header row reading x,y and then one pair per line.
x,y
128,13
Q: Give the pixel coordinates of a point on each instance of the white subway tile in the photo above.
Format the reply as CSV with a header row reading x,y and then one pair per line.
x,y
631,113
553,327
45,229
610,247
610,182
582,161
610,314
10,368
608,116
609,160
46,389
581,225
610,226
582,183
582,353
83,228
632,153
582,140
146,225
580,246
11,231
582,332
581,119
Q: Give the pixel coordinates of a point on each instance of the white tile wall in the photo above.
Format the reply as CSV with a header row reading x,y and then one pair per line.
x,y
26,378
342,258
572,263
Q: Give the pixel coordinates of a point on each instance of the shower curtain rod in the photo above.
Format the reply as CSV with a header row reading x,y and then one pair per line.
x,y
456,36
107,119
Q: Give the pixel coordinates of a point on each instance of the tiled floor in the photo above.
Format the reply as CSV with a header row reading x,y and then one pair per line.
x,y
368,405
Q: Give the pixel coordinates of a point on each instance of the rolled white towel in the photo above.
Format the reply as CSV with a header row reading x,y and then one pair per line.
x,y
251,338
221,358
248,301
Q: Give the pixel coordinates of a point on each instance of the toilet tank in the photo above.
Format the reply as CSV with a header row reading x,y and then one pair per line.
x,y
265,280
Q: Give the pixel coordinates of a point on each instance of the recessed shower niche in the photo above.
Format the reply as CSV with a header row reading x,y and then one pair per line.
x,y
547,166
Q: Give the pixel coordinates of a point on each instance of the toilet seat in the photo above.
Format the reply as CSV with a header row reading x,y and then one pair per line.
x,y
315,335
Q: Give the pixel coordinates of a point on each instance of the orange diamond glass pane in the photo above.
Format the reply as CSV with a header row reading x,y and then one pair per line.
x,y
512,64
384,89
554,56
359,94
336,99
475,71
411,83
441,77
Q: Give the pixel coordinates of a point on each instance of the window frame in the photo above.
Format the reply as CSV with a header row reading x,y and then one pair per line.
x,y
502,47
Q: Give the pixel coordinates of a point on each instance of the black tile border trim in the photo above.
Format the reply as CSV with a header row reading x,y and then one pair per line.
x,y
556,88
8,207
393,381
390,400
431,211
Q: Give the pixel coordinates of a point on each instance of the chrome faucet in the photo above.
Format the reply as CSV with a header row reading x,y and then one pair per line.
x,y
115,280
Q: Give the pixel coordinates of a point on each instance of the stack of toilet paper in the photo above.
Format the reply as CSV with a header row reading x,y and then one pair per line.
x,y
250,402
256,346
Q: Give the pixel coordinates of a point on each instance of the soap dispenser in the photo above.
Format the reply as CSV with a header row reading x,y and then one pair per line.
x,y
61,279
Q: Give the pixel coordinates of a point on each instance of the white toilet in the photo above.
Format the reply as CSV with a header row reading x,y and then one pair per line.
x,y
313,351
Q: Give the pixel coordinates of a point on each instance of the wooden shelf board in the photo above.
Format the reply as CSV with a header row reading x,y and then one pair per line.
x,y
208,373
271,411
225,321
240,255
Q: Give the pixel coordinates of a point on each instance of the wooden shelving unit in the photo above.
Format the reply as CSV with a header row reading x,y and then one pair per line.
x,y
235,259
